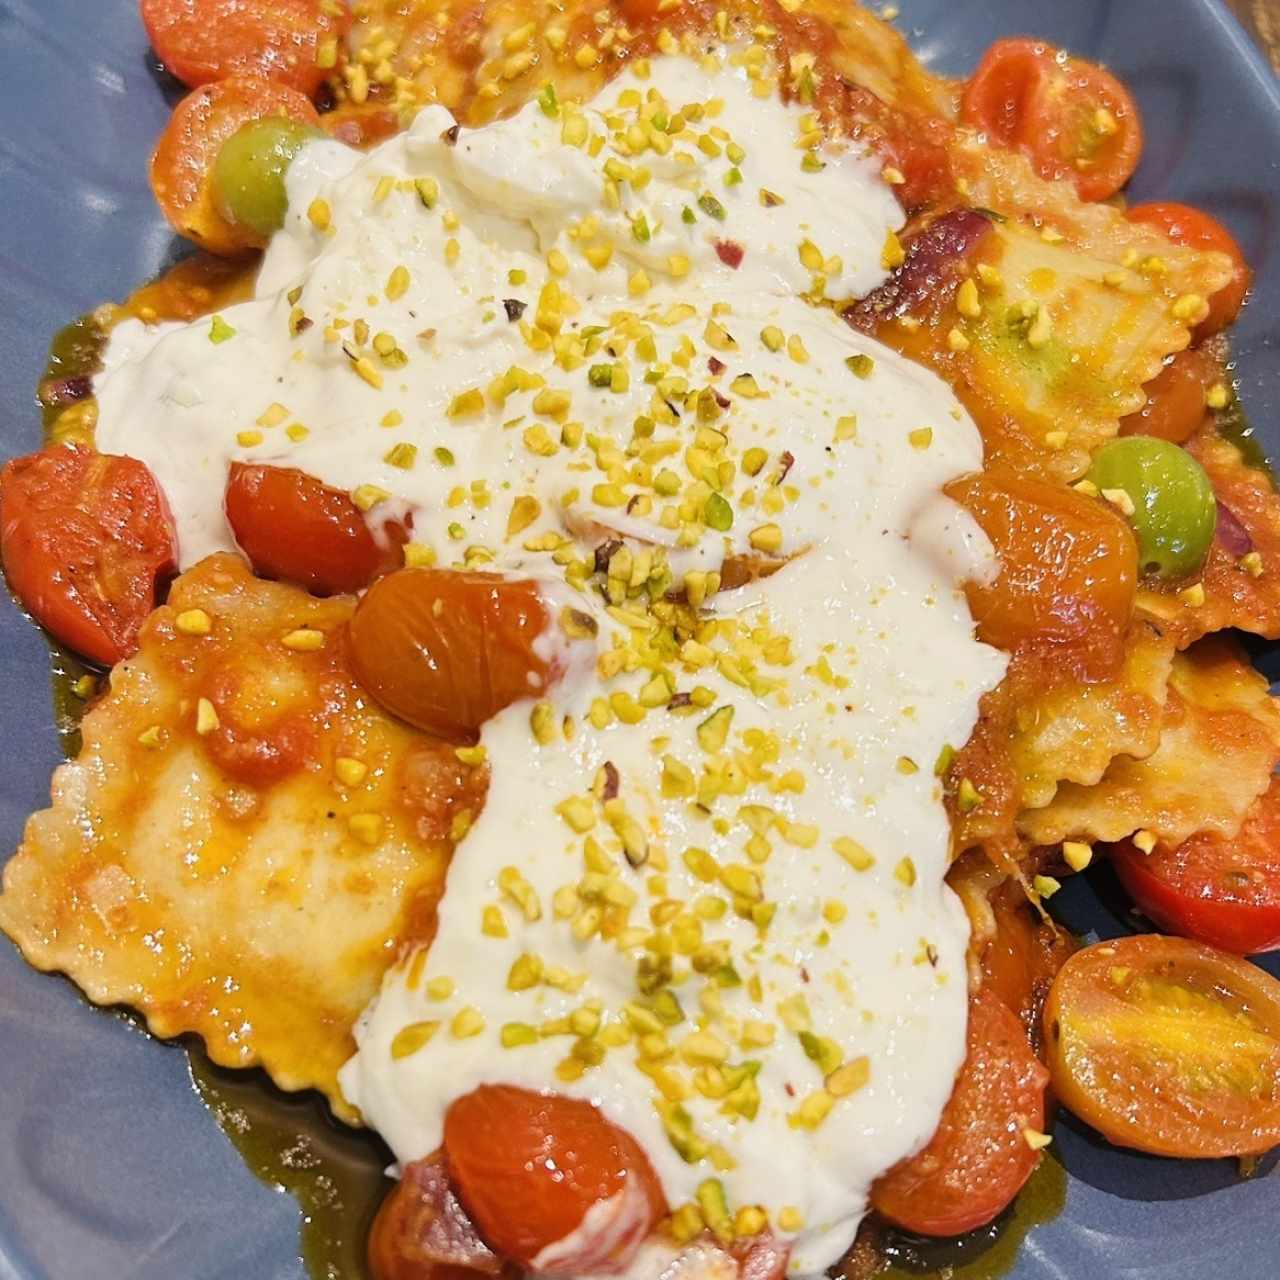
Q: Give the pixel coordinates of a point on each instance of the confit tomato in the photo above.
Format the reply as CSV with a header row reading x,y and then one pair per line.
x,y
979,1158
292,526
1186,225
1225,892
1072,118
86,539
446,650
201,41
529,1167
1068,570
1168,1046
1175,405
183,161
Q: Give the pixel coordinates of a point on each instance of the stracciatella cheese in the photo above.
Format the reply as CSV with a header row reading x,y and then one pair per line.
x,y
591,346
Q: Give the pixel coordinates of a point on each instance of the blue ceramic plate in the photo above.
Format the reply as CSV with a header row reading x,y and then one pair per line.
x,y
110,1165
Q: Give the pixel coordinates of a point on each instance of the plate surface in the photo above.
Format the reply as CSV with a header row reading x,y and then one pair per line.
x,y
109,1164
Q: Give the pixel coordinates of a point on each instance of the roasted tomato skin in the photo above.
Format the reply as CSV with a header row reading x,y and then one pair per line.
x,y
86,540
528,1167
446,650
422,1232
1225,892
1167,1046
292,526
979,1158
1068,570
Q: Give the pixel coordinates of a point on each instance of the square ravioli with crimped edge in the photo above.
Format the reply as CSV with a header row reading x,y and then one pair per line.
x,y
244,843
1219,741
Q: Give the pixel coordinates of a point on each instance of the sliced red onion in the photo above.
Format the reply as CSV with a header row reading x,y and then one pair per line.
x,y
1233,536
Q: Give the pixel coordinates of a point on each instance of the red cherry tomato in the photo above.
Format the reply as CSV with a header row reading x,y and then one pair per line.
x,y
1072,118
1175,405
422,1232
1188,226
182,163
979,1158
1168,1046
201,41
86,539
292,526
529,1167
447,650
1225,892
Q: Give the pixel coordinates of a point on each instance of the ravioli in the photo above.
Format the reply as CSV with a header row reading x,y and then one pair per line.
x,y
231,883
1219,741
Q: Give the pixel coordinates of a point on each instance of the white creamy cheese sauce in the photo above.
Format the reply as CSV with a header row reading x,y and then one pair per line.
x,y
770,869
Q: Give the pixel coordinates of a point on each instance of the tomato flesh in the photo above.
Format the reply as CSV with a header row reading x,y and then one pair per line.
x,y
1168,1046
86,539
446,650
1072,118
422,1232
1225,892
1186,225
529,1167
201,41
183,161
1068,570
979,1158
292,526
1175,405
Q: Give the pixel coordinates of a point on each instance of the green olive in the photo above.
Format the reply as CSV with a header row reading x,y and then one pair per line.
x,y
1174,510
248,176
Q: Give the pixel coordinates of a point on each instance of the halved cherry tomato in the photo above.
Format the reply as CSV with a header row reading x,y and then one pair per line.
x,y
201,41
1189,226
1072,118
529,1167
1068,569
422,1232
1175,398
292,526
979,1158
997,97
1168,1046
447,650
86,539
1225,892
182,163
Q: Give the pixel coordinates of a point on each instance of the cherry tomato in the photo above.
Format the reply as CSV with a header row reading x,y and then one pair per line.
x,y
1072,118
201,41
183,162
1225,892
447,650
979,1158
422,1232
1175,405
1168,1046
1020,962
292,526
1188,226
528,1167
1068,569
86,539
998,96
